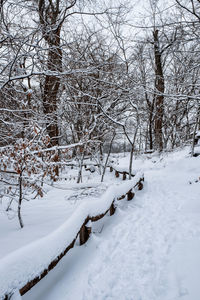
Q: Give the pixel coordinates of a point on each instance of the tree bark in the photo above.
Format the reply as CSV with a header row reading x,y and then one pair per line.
x,y
159,91
110,148
20,201
48,16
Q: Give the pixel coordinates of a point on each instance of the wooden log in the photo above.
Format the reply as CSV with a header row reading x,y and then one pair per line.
x,y
124,176
130,195
116,174
34,281
112,209
98,217
121,197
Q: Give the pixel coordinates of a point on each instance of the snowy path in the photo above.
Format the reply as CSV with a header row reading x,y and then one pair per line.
x,y
150,250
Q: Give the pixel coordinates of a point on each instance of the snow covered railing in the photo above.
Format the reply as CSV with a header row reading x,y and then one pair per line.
x,y
118,170
22,269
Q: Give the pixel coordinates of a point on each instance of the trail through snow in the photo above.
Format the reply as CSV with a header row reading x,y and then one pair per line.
x,y
149,250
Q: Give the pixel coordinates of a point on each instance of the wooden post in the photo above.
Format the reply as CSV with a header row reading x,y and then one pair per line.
x,y
85,232
116,173
124,176
130,195
140,185
112,209
89,228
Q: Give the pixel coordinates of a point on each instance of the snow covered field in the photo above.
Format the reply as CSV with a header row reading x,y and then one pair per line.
x,y
149,250
42,216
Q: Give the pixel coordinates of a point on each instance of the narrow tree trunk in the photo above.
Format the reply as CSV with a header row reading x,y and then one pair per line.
x,y
150,131
20,201
132,149
159,91
194,133
131,162
110,148
79,179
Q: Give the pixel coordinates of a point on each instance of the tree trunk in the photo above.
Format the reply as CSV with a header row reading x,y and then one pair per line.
x,y
51,88
150,131
51,26
79,179
195,131
132,150
131,161
159,91
20,201
104,169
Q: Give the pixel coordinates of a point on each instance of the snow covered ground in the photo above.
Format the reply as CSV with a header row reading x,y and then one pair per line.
x,y
149,250
42,216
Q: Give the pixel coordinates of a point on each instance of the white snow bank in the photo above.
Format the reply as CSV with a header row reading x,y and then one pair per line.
x,y
28,262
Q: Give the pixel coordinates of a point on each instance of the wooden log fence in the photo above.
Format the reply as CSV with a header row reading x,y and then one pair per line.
x,y
119,171
83,234
112,168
